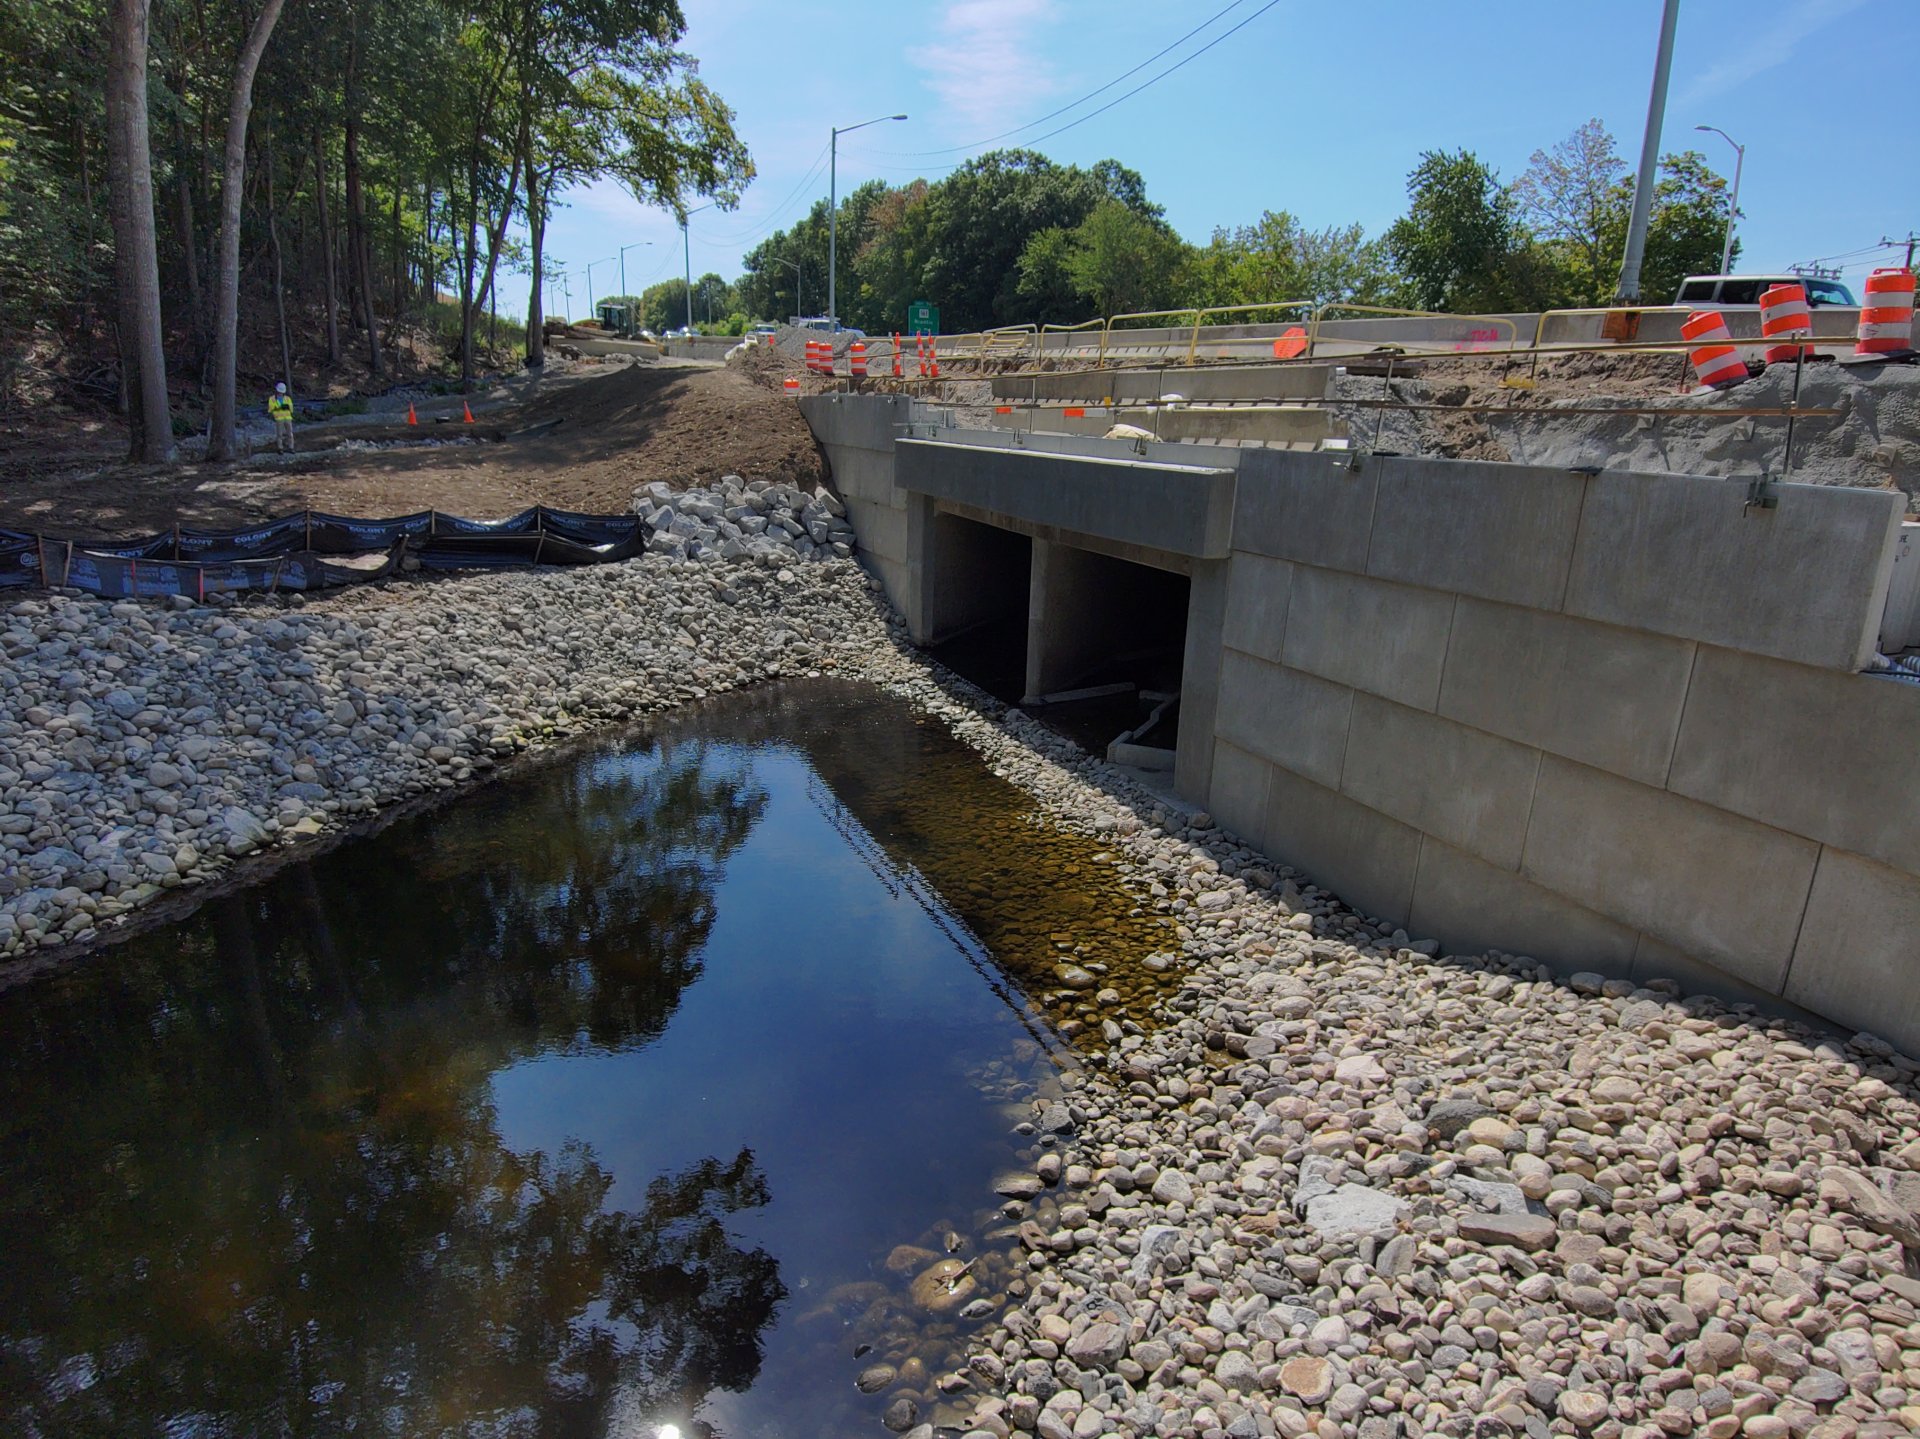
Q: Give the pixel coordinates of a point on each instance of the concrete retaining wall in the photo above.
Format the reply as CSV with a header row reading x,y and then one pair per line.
x,y
857,432
1612,722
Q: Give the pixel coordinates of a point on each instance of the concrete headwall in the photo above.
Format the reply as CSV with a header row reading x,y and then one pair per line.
x,y
1612,722
857,432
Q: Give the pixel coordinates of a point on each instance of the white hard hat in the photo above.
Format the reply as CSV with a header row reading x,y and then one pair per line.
x,y
281,388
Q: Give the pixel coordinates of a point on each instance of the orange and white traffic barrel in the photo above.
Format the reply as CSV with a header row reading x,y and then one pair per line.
x,y
857,359
791,384
1784,313
1715,359
1886,314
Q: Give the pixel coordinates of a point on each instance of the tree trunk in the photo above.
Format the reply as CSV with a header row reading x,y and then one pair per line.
x,y
279,268
136,251
359,252
226,332
496,235
536,236
326,248
399,260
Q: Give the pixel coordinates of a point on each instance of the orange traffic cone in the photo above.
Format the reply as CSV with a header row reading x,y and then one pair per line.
x,y
412,419
467,410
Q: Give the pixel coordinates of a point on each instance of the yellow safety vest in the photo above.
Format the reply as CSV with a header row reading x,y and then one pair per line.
x,y
280,407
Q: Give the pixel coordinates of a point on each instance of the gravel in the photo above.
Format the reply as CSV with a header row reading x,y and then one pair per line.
x,y
1282,1203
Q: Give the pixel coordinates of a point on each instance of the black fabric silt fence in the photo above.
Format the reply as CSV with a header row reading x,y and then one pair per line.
x,y
291,553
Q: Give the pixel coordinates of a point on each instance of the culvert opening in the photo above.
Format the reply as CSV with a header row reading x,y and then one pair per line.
x,y
1104,652
977,603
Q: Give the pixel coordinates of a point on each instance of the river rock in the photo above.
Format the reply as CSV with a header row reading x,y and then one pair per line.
x,y
944,1287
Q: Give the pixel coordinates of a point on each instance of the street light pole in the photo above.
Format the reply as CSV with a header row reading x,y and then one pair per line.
x,y
686,243
623,265
1733,203
833,210
590,264
1629,288
626,293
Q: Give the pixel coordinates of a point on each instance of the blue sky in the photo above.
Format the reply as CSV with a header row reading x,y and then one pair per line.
x,y
1312,107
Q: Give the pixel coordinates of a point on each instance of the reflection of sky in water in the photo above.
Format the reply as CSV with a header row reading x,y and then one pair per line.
x,y
382,1142
829,1033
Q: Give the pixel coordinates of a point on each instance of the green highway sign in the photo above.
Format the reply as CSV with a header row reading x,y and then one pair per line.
x,y
923,318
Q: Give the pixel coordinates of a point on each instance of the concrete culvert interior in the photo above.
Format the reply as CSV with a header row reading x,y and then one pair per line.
x,y
1105,642
976,620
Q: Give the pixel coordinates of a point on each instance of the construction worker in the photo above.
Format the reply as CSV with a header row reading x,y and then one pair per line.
x,y
280,411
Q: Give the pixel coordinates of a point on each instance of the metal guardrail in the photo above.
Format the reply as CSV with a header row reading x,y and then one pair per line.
x,y
1387,312
1200,320
1106,331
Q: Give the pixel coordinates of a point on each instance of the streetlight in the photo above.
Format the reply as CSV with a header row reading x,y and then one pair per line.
x,y
1733,203
625,293
590,264
833,208
687,246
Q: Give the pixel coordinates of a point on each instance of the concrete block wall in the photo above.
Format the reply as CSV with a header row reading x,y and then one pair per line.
x,y
1612,721
857,433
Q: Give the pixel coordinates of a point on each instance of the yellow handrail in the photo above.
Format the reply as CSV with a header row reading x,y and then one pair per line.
x,y
1020,335
1107,331
1200,320
1513,330
1540,325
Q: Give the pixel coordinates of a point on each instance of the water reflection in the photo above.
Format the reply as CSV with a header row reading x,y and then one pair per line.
x,y
604,1093
254,1175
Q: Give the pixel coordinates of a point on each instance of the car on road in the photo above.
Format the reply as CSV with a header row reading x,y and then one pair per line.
x,y
823,322
1726,292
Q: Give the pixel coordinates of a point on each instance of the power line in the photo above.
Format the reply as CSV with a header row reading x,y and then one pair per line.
x,y
1073,105
779,210
1178,64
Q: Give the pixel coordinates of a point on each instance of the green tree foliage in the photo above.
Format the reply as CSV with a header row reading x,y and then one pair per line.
x,y
1276,259
1577,199
1458,245
394,148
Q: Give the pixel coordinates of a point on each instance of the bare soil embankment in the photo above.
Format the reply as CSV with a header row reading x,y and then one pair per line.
x,y
585,445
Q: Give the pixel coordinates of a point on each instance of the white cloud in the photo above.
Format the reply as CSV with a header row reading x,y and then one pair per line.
x,y
1766,45
985,67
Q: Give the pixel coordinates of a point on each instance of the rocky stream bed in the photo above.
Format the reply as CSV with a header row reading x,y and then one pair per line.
x,y
1313,1179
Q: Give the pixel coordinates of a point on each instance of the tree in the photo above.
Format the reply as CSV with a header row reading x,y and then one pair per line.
x,y
232,186
1687,227
1569,198
1456,245
980,219
143,359
1276,259
1122,261
1045,286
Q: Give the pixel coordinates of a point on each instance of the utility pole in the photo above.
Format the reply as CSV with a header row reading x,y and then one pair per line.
x,y
687,249
1629,287
833,209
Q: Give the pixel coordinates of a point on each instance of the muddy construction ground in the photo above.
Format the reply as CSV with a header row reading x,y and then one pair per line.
x,y
583,440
